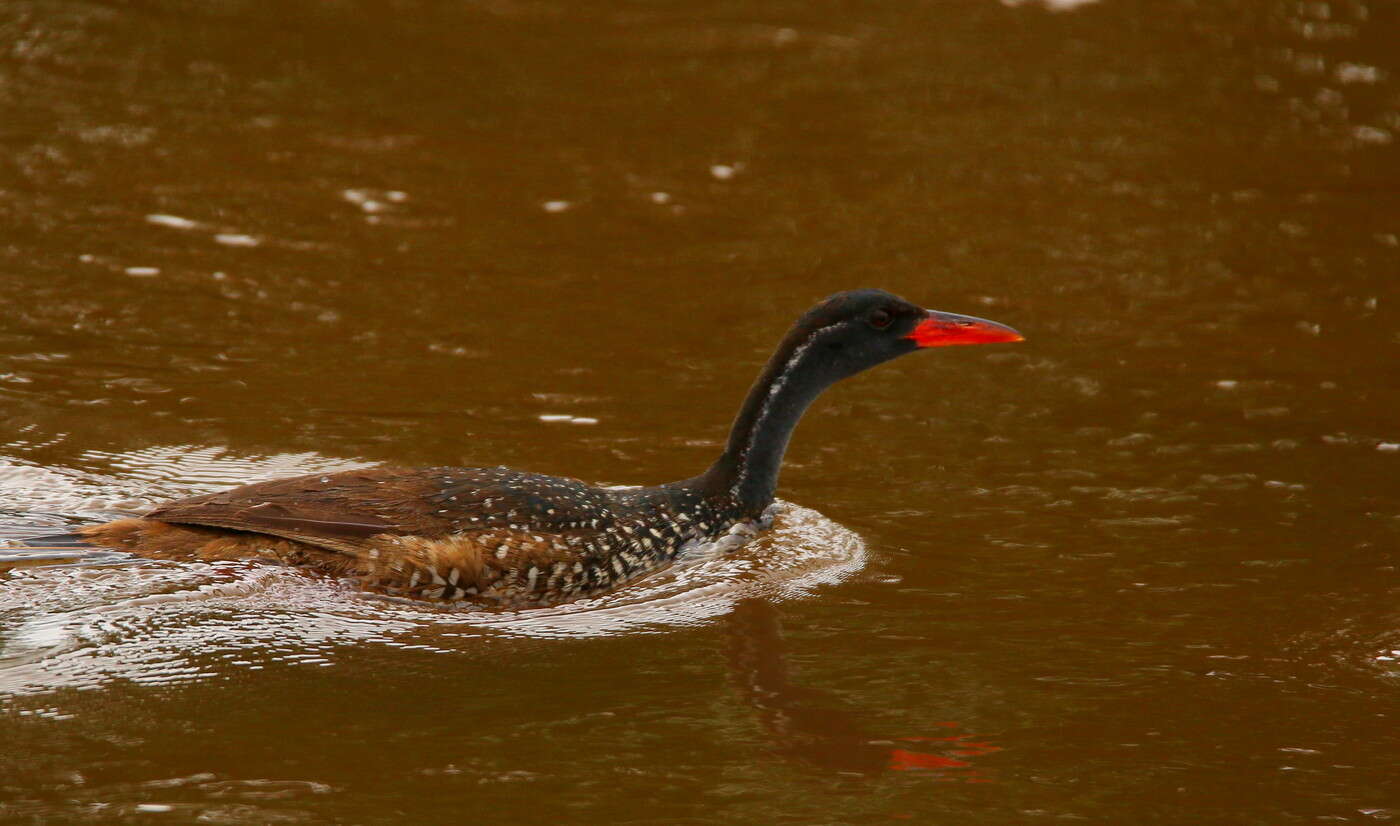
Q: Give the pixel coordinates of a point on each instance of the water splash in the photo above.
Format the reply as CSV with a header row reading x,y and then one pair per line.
x,y
108,617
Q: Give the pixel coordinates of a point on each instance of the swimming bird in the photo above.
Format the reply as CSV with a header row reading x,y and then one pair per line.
x,y
502,537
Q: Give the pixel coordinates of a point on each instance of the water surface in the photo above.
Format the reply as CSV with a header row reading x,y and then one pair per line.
x,y
1140,568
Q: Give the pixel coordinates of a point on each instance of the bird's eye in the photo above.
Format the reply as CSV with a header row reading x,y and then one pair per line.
x,y
880,319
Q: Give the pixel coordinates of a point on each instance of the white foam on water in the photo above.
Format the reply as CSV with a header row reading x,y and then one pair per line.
x,y
109,617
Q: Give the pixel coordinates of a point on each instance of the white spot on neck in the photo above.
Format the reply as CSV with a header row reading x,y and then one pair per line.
x,y
779,381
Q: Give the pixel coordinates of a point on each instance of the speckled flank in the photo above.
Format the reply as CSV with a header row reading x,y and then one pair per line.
x,y
564,541
484,535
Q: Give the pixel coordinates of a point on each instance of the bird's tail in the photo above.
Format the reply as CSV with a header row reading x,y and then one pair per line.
x,y
63,541
45,549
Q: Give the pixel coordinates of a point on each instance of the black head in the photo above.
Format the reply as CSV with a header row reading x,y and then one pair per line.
x,y
841,336
858,329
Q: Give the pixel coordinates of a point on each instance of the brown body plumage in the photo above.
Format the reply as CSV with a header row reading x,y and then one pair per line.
x,y
484,534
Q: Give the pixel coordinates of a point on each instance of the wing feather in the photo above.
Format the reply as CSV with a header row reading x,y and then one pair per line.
x,y
343,511
338,511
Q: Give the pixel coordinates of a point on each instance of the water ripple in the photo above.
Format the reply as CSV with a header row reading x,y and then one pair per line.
x,y
110,617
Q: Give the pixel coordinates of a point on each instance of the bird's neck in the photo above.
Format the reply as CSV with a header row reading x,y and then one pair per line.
x,y
747,471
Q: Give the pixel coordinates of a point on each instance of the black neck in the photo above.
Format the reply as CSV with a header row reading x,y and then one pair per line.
x,y
747,471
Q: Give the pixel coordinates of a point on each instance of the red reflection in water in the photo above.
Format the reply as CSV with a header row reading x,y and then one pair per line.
x,y
810,725
906,760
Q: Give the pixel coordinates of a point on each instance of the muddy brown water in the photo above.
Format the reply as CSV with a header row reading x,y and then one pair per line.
x,y
1138,569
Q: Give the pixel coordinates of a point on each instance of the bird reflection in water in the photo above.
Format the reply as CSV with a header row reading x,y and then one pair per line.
x,y
808,724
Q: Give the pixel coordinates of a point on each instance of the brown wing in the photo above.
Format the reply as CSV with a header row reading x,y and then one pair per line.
x,y
341,511
338,511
